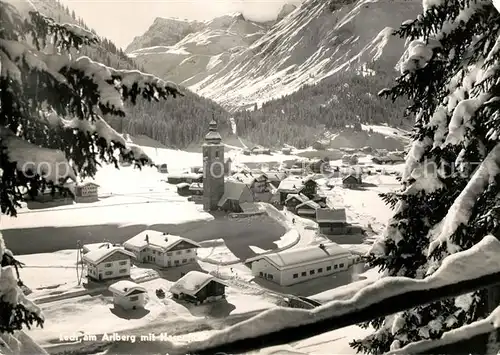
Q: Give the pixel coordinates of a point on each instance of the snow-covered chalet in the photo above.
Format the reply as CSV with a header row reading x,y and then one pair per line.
x,y
162,249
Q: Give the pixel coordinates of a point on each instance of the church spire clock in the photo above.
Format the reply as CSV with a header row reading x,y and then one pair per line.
x,y
213,168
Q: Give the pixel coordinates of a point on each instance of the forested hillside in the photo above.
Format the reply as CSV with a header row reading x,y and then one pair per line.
x,y
175,123
335,102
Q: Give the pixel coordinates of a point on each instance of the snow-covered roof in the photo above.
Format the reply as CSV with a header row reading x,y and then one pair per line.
x,y
93,246
86,183
300,197
155,239
185,176
327,215
292,184
196,186
275,176
193,282
350,177
126,287
233,191
303,256
96,256
309,203
182,185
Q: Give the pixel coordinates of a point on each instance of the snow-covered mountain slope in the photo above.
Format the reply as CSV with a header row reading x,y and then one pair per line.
x,y
204,47
165,32
311,43
315,40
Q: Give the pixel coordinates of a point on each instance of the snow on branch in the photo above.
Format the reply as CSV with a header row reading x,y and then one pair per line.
x,y
31,159
114,85
479,261
64,36
461,209
484,326
100,129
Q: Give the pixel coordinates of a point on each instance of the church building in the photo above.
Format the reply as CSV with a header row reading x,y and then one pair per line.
x,y
213,168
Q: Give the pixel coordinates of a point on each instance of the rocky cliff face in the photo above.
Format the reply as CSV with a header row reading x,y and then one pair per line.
x,y
165,32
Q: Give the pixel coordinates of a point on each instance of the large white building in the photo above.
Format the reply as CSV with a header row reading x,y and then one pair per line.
x,y
108,262
301,264
162,249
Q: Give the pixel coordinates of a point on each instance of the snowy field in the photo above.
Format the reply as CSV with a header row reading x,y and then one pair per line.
x,y
130,196
79,315
55,274
68,314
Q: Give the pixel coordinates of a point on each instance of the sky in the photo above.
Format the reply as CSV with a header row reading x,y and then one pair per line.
x,y
122,20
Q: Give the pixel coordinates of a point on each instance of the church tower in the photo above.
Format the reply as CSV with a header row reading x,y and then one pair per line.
x,y
213,168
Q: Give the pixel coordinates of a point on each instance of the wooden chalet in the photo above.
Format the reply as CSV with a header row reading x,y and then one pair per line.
x,y
291,185
310,187
183,189
307,208
186,177
198,287
331,221
293,200
196,191
352,181
235,194
286,151
320,166
162,168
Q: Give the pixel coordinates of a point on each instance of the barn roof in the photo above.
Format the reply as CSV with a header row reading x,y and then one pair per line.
x,y
300,197
233,191
126,287
327,215
309,203
193,282
96,256
303,256
196,186
292,184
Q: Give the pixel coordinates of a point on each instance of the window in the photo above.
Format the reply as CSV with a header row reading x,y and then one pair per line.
x,y
320,270
169,254
188,251
304,273
123,262
311,272
107,265
178,252
328,268
216,153
270,277
184,261
192,259
335,266
295,276
176,262
341,265
108,273
261,274
154,252
123,271
134,298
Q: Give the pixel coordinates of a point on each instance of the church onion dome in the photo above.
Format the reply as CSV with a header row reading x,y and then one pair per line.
x,y
213,135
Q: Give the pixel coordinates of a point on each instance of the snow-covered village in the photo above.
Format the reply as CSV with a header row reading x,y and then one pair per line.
x,y
219,177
